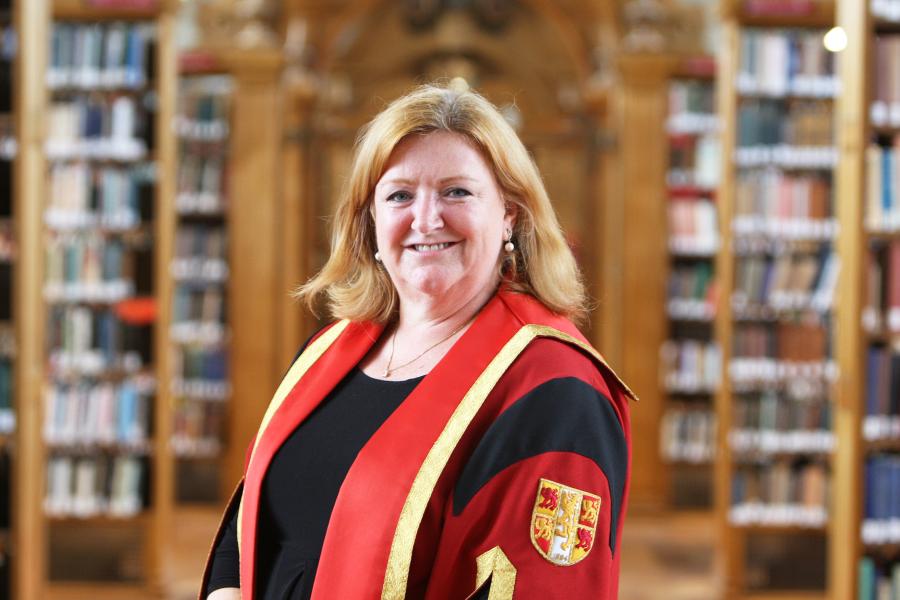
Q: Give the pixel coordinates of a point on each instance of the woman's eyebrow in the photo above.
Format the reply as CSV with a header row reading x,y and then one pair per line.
x,y
404,181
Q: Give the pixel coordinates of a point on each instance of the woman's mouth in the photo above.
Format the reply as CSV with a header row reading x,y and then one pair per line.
x,y
432,247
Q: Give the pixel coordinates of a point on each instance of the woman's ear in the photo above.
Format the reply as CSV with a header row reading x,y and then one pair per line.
x,y
512,213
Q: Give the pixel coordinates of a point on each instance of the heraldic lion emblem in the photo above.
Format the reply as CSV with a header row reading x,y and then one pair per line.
x,y
563,522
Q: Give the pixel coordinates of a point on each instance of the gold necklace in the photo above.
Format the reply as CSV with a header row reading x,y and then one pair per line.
x,y
388,370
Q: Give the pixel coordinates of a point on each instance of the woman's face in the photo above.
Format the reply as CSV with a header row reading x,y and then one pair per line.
x,y
440,220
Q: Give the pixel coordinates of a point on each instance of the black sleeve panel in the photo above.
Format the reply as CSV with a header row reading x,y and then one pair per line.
x,y
225,568
560,415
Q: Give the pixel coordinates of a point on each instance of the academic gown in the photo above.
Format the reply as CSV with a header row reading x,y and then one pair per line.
x,y
506,469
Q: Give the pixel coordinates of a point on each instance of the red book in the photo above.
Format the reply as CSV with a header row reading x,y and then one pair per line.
x,y
893,286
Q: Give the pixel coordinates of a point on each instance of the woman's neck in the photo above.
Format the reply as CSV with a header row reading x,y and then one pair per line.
x,y
422,335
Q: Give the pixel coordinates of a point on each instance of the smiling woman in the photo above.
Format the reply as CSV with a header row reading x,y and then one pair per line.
x,y
453,435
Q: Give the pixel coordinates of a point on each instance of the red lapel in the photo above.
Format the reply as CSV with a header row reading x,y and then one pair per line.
x,y
346,351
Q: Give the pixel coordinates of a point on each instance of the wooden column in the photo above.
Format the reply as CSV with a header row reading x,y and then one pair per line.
x,y
848,460
29,543
730,561
297,207
163,469
256,291
637,252
604,213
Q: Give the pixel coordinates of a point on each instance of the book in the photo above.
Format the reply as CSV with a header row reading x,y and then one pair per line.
x,y
688,433
690,366
779,63
784,492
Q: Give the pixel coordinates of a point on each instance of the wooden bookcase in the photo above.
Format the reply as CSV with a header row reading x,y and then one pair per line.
x,y
106,193
867,418
639,109
689,358
200,330
780,357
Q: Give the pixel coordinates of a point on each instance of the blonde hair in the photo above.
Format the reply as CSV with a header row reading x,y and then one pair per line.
x,y
355,287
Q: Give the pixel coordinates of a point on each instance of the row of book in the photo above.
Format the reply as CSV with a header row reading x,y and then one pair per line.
x,y
85,415
200,254
100,485
885,107
782,62
88,263
100,56
783,492
98,127
201,364
204,104
198,428
784,283
693,229
798,341
879,580
773,423
197,310
775,204
89,341
692,108
883,187
881,511
203,241
83,196
692,292
694,162
688,434
690,366
881,308
772,123
882,417
201,184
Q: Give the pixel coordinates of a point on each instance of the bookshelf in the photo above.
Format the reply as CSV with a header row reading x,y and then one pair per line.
x,y
690,359
778,269
200,269
8,150
93,219
868,416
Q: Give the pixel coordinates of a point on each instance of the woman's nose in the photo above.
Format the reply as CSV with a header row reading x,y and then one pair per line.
x,y
427,213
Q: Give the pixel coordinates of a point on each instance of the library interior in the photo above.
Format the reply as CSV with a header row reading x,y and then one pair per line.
x,y
723,171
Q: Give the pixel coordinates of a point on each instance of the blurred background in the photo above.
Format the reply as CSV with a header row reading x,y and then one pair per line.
x,y
725,172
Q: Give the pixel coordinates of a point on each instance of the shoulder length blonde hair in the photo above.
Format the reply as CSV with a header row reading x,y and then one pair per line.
x,y
352,283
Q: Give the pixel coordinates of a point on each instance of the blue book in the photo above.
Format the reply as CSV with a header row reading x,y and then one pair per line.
x,y
866,587
127,412
874,359
887,179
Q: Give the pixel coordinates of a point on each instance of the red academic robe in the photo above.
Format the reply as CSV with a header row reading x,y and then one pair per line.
x,y
474,481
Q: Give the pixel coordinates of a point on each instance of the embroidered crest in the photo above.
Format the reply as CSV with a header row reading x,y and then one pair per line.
x,y
563,522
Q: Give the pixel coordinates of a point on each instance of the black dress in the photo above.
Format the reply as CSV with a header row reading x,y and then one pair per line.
x,y
302,484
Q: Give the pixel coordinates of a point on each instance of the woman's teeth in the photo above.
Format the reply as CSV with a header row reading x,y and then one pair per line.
x,y
431,247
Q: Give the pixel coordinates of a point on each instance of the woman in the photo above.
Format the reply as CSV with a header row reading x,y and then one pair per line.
x,y
453,435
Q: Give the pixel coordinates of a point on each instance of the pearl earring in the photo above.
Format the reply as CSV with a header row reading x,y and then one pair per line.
x,y
377,256
509,246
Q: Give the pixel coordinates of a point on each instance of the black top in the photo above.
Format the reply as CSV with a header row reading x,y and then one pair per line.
x,y
301,486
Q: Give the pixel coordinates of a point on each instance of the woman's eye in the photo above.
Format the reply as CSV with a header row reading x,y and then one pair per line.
x,y
400,196
458,192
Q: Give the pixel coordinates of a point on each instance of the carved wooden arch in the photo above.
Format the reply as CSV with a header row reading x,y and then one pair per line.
x,y
571,39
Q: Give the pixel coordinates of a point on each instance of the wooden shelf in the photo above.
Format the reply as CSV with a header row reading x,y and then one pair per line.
x,y
786,13
97,591
107,10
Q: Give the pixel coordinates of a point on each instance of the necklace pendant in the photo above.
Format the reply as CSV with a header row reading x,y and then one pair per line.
x,y
387,372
